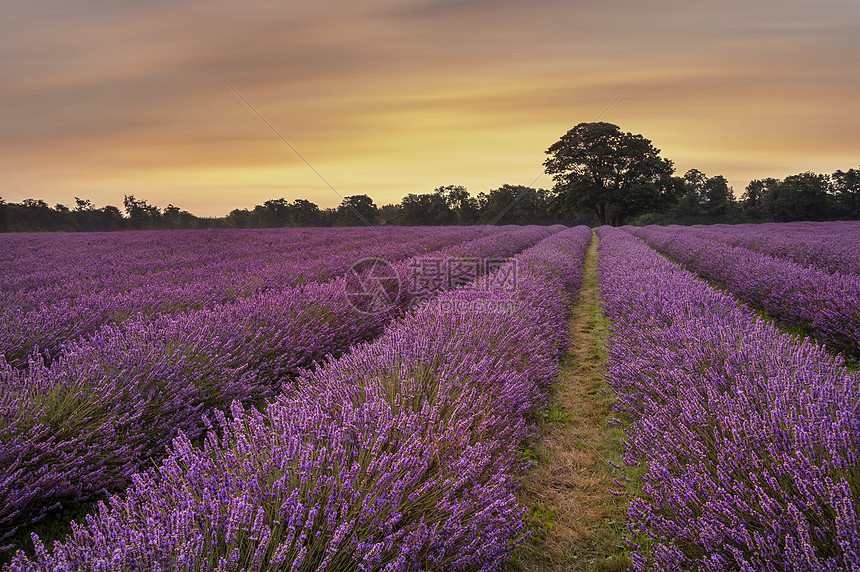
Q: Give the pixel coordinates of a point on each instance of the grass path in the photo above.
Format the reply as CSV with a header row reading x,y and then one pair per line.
x,y
576,523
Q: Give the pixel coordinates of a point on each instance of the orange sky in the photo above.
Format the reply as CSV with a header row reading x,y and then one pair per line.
x,y
102,98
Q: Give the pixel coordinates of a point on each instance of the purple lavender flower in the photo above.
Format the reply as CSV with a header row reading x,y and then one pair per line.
x,y
110,403
400,455
825,304
749,438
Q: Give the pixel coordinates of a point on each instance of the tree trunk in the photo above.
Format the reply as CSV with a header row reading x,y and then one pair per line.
x,y
600,209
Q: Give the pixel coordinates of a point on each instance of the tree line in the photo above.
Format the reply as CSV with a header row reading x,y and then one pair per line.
x,y
448,205
621,178
601,174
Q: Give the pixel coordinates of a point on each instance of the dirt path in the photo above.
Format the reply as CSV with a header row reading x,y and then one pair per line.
x,y
576,523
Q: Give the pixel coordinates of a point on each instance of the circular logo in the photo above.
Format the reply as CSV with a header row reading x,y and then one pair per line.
x,y
417,302
372,286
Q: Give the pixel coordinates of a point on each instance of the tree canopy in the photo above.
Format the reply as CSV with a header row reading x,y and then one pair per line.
x,y
516,204
804,196
357,210
618,175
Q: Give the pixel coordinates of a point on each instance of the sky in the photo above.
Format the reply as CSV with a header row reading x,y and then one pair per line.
x,y
105,98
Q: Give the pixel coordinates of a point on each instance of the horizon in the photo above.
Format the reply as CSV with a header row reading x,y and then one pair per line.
x,y
101,100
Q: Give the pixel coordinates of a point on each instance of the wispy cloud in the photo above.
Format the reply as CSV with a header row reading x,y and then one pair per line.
x,y
389,97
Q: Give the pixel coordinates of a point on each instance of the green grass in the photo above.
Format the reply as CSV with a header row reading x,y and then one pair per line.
x,y
575,523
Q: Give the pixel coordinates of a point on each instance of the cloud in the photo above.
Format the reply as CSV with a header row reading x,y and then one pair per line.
x,y
404,95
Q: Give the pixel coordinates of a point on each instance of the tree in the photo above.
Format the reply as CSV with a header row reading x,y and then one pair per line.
x,y
33,215
328,216
754,195
357,210
172,216
618,175
35,204
516,204
426,209
798,197
305,213
110,218
719,197
275,213
846,186
140,213
463,205
242,218
389,214
690,206
82,205
413,209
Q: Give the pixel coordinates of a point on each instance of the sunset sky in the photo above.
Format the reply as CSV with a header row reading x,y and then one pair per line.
x,y
103,98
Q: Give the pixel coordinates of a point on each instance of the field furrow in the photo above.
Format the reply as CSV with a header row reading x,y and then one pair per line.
x,y
111,403
829,246
401,454
76,305
816,302
748,439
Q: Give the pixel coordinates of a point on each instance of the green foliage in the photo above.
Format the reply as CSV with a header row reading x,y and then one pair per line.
x,y
618,175
846,191
797,197
426,209
516,204
141,215
357,210
539,522
530,455
554,413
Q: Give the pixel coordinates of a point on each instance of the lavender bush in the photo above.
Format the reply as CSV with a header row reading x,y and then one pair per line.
x,y
110,403
401,455
830,246
749,440
824,304
51,293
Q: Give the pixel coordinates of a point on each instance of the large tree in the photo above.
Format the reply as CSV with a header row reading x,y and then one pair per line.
x,y
618,175
357,210
305,213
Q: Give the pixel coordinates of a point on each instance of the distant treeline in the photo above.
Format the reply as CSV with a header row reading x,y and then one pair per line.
x,y
805,196
450,205
698,199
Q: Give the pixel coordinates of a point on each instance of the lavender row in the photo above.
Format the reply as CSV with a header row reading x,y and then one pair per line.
x,y
749,439
109,403
47,268
402,455
829,246
50,267
49,326
827,305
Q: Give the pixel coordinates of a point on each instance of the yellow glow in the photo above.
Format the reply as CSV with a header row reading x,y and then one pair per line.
x,y
388,98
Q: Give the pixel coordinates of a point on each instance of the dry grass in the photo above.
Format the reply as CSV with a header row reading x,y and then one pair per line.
x,y
576,523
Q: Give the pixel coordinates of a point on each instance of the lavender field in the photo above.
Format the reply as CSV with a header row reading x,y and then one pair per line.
x,y
359,398
749,438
